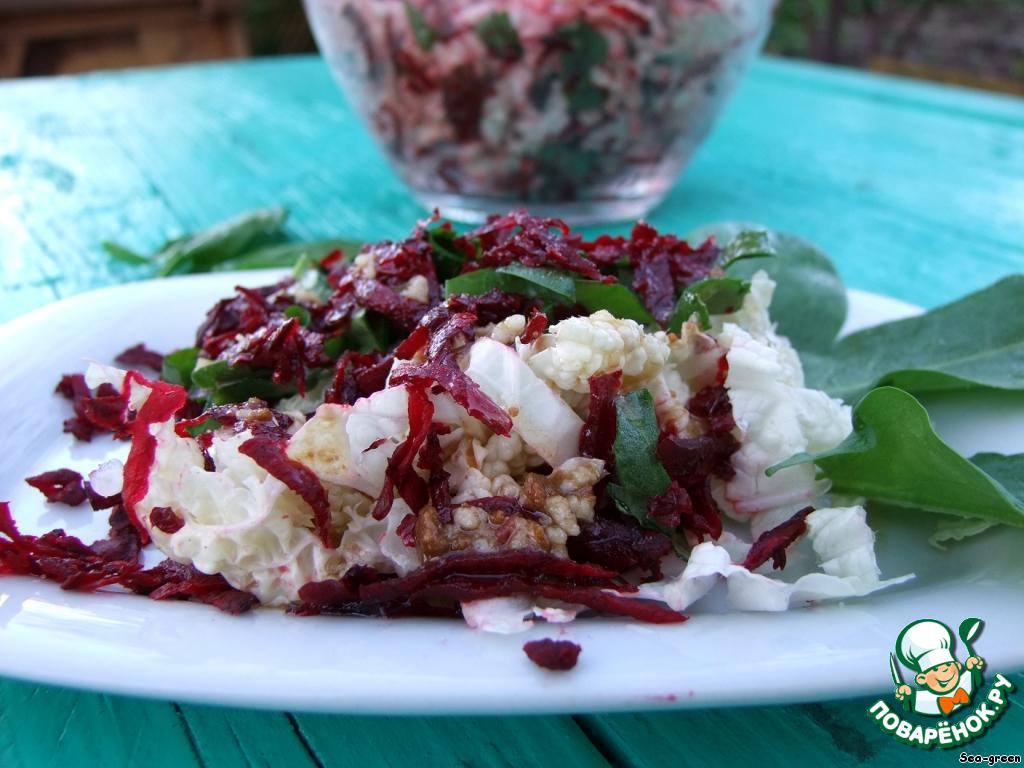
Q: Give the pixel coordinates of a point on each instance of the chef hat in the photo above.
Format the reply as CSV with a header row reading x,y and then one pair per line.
x,y
924,644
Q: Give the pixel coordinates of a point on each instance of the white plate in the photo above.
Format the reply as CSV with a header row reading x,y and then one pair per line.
x,y
182,651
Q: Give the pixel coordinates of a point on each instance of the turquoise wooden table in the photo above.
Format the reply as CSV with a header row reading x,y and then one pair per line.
x,y
917,191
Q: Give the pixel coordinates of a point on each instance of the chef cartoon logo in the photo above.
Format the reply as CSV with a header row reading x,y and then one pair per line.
x,y
941,686
926,646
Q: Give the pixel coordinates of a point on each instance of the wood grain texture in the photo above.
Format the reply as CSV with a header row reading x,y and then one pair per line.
x,y
838,734
915,190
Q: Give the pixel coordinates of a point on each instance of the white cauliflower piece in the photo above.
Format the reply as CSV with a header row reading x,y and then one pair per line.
x,y
580,347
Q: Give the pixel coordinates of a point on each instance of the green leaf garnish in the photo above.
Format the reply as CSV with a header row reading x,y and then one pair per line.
x,y
636,443
752,244
119,252
894,456
425,34
537,282
807,286
613,297
711,296
222,242
178,367
500,37
299,312
448,260
977,341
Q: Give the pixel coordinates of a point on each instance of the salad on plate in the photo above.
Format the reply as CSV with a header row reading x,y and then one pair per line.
x,y
516,424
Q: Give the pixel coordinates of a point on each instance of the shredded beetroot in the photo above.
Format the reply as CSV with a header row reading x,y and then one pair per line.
x,y
98,501
533,241
772,544
173,581
712,404
691,459
670,508
535,326
432,461
597,438
164,401
448,333
104,410
166,520
406,530
269,453
400,472
358,375
140,355
663,263
556,655
253,415
62,558
60,486
619,546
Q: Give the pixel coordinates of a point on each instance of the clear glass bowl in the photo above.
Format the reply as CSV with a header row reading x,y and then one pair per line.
x,y
584,109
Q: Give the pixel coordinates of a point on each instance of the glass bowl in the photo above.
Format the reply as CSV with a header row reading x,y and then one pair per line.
x,y
583,109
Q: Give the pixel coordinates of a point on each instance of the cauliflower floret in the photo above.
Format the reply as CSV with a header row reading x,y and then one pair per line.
x,y
579,347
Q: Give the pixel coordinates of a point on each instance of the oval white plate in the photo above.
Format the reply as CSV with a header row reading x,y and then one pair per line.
x,y
182,651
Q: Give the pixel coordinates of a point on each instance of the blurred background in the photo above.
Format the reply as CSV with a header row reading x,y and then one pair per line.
x,y
978,43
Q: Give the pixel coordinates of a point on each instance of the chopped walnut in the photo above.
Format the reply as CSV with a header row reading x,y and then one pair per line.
x,y
567,494
480,531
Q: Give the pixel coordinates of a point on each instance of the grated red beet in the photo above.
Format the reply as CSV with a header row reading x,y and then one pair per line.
x,y
406,530
459,577
358,375
533,241
104,410
597,438
97,501
278,346
169,580
664,263
164,401
448,333
712,404
689,460
493,306
65,559
166,520
556,655
269,453
253,415
772,544
669,508
140,355
405,312
535,326
400,472
619,546
60,486
432,460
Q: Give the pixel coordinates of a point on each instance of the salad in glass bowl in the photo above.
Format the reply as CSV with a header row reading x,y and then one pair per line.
x,y
584,110
515,424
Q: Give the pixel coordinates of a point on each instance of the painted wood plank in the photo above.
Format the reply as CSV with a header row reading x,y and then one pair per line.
x,y
238,738
837,734
481,742
41,726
